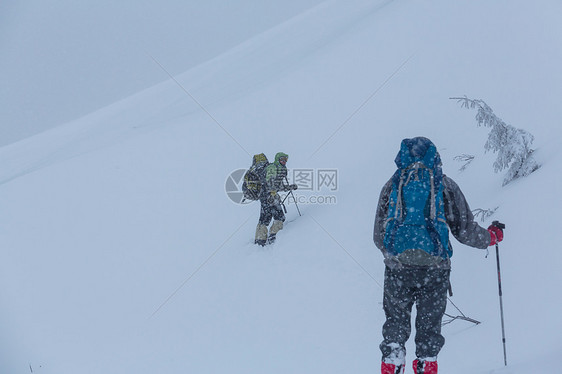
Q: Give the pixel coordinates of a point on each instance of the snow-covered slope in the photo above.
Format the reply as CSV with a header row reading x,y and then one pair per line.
x,y
64,59
123,253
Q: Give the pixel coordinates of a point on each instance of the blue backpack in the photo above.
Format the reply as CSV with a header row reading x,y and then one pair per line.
x,y
416,214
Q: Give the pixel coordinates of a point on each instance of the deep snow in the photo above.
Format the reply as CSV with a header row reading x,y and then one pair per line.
x,y
123,253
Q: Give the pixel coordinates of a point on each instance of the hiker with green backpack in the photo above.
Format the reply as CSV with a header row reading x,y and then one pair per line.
x,y
262,182
416,209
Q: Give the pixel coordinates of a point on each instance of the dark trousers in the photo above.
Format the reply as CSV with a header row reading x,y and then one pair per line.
x,y
427,288
271,209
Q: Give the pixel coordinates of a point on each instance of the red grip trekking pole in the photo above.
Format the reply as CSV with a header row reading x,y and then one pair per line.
x,y
500,226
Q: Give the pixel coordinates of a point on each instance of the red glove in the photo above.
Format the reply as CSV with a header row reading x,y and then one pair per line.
x,y
496,234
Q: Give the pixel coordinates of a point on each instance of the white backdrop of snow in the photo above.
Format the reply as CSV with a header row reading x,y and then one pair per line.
x,y
122,253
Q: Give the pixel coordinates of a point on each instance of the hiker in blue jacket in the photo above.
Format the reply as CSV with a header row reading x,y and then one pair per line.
x,y
416,209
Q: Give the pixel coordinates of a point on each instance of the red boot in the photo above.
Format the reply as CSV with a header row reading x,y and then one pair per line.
x,y
387,368
425,367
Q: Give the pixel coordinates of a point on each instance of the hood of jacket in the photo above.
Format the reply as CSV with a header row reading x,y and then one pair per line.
x,y
279,155
418,149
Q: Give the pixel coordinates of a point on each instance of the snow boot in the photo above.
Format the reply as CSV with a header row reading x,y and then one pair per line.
x,y
425,366
271,239
275,228
261,234
387,368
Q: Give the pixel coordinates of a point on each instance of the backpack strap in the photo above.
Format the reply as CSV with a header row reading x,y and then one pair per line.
x,y
399,198
413,171
401,178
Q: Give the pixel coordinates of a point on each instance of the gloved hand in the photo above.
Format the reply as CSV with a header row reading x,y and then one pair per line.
x,y
496,232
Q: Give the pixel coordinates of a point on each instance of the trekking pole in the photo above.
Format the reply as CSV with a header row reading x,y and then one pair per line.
x,y
500,226
294,199
283,204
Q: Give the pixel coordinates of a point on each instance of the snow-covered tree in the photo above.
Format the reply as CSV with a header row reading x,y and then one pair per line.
x,y
484,214
467,159
512,145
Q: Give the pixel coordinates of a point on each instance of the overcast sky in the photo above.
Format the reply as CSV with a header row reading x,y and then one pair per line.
x,y
62,59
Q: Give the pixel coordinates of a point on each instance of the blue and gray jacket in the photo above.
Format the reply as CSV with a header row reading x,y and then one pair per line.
x,y
458,217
